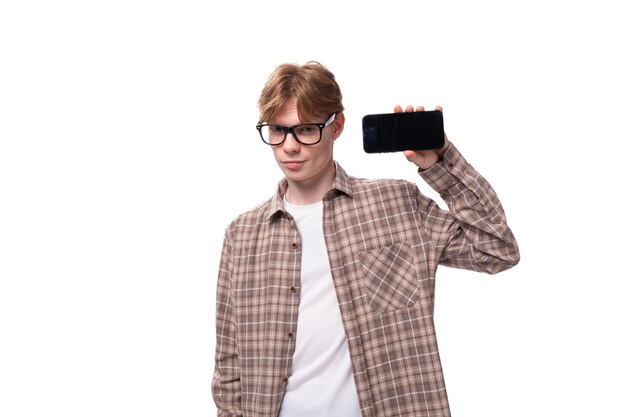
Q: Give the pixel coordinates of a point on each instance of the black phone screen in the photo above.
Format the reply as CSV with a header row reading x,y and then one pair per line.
x,y
393,132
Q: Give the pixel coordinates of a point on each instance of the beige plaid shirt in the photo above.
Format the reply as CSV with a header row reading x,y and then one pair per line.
x,y
385,240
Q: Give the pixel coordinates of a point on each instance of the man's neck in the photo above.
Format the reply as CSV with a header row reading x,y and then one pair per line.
x,y
302,193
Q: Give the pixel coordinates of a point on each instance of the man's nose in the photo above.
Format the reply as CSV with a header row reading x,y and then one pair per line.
x,y
291,144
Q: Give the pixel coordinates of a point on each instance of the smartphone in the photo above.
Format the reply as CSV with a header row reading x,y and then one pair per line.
x,y
393,132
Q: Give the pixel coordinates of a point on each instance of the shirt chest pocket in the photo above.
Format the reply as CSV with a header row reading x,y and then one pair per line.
x,y
390,277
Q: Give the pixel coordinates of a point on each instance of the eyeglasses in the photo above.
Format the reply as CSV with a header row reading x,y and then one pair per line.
x,y
306,134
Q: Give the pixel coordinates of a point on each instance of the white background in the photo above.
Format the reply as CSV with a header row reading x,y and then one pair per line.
x,y
127,144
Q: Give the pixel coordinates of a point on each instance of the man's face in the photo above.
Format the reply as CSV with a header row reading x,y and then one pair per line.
x,y
306,164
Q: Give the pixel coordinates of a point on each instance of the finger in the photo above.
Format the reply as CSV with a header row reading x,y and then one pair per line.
x,y
438,108
410,155
397,108
409,109
419,108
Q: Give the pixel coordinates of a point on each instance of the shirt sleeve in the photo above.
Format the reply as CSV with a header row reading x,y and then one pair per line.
x,y
226,387
474,233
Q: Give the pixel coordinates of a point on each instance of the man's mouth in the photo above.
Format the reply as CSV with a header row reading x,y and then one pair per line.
x,y
293,163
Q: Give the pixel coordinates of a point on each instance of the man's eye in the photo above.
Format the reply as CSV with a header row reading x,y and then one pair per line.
x,y
307,129
277,129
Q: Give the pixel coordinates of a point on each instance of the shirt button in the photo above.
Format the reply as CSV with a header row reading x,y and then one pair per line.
x,y
285,379
292,289
450,165
290,335
294,245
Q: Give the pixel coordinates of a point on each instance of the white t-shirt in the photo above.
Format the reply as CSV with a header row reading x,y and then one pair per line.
x,y
322,381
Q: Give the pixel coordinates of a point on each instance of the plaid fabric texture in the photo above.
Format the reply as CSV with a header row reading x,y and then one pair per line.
x,y
385,240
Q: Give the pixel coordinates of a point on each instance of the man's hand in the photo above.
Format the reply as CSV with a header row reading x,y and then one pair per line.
x,y
423,159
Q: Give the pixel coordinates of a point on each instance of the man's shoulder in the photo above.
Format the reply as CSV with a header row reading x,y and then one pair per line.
x,y
365,185
253,216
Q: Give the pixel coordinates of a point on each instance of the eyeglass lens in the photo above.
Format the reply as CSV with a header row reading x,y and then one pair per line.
x,y
307,134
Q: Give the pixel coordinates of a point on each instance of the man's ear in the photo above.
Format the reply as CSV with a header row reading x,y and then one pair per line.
x,y
337,125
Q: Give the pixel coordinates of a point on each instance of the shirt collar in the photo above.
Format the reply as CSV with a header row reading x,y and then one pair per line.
x,y
341,185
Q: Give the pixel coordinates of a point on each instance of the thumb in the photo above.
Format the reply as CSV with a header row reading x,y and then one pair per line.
x,y
412,156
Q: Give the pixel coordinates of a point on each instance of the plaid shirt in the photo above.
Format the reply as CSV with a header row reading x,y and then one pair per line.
x,y
385,240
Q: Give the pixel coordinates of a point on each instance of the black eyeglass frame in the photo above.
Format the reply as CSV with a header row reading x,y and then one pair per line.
x,y
292,130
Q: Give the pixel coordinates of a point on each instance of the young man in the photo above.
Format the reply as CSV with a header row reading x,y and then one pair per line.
x,y
325,292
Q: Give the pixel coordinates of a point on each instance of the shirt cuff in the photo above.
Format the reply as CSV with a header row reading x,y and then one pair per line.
x,y
446,173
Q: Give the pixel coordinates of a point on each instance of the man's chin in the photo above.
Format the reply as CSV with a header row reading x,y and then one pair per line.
x,y
294,176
